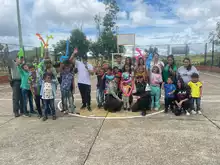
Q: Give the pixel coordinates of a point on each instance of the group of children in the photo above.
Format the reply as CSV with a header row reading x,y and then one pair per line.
x,y
40,82
116,88
146,85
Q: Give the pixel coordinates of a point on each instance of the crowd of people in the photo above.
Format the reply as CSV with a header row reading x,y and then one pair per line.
x,y
116,86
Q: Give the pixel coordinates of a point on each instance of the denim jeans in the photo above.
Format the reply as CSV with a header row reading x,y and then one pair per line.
x,y
27,96
68,96
49,105
100,96
17,97
196,101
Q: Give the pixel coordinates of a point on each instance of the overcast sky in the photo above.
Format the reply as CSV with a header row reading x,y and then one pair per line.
x,y
154,22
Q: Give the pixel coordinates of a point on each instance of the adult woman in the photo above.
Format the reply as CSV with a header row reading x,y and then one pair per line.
x,y
186,71
170,69
156,61
128,62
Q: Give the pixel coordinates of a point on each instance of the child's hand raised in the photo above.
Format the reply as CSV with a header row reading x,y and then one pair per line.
x,y
18,61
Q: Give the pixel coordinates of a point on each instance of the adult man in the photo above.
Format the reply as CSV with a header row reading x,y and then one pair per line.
x,y
84,80
15,82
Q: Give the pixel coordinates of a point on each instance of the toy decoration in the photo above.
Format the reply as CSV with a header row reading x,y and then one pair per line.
x,y
20,53
127,86
66,56
140,54
148,61
45,44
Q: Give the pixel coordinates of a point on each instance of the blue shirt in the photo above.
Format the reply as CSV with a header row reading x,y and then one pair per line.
x,y
169,88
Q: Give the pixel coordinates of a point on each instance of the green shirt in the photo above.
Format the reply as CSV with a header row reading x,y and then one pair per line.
x,y
24,78
166,73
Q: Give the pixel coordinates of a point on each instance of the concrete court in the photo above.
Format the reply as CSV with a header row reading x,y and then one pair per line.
x,y
162,139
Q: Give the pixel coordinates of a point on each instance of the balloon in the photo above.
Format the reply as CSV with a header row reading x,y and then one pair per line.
x,y
21,53
41,38
41,50
127,89
140,54
67,47
66,56
149,59
63,58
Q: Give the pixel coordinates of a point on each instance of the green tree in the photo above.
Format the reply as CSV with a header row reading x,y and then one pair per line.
x,y
214,36
77,40
107,41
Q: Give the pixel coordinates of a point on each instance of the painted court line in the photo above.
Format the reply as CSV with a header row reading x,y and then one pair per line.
x,y
113,118
211,74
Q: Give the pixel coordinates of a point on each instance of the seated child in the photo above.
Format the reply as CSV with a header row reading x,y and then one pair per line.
x,y
112,102
182,98
169,89
196,93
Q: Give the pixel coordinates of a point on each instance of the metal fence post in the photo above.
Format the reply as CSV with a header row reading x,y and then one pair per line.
x,y
205,57
213,47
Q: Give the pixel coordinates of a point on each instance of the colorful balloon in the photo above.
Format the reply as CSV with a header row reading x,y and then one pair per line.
x,y
140,54
20,53
41,38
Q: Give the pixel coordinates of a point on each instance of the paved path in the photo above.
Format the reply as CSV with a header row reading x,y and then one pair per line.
x,y
161,139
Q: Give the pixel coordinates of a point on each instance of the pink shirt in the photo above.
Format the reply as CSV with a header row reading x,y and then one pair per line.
x,y
156,79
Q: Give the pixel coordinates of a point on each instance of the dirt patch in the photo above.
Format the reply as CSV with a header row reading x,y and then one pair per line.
x,y
4,79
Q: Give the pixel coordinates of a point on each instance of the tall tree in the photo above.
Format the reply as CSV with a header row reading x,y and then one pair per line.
x,y
77,40
108,35
214,36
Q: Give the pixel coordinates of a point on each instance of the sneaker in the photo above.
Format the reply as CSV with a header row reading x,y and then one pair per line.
x,y
26,115
193,112
187,113
16,114
143,113
83,107
44,118
89,108
54,118
40,116
166,111
199,112
156,109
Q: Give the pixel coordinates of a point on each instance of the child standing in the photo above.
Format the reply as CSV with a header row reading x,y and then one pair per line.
x,y
35,88
169,89
100,88
156,80
67,83
25,88
48,92
196,92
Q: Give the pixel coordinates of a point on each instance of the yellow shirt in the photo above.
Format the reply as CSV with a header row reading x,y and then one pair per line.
x,y
195,88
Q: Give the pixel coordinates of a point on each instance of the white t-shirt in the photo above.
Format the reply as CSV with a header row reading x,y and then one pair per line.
x,y
83,73
47,91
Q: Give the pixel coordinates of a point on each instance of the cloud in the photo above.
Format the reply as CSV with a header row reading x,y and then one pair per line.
x,y
154,22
